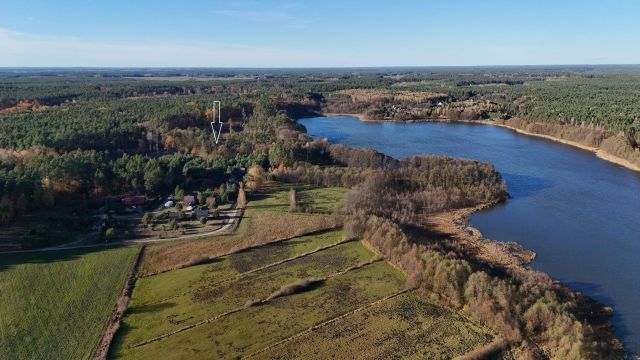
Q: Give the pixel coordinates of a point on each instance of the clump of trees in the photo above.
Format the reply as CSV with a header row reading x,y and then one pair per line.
x,y
525,307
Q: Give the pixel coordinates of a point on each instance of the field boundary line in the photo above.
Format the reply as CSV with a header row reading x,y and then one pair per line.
x,y
240,308
113,323
284,261
329,322
241,275
177,331
251,247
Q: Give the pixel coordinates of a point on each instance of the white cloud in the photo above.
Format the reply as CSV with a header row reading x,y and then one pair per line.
x,y
22,49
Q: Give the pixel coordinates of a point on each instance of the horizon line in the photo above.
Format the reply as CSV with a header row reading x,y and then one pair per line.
x,y
312,67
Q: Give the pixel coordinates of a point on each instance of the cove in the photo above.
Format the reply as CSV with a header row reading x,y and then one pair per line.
x,y
579,213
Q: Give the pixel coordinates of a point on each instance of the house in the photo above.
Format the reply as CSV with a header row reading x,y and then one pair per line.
x,y
136,200
210,201
189,200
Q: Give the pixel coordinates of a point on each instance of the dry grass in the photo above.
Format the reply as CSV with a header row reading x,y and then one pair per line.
x,y
264,221
619,147
403,326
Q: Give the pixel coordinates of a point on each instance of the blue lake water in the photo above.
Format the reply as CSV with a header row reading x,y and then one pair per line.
x,y
579,213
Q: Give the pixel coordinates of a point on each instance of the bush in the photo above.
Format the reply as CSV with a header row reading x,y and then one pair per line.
x,y
147,219
173,224
110,233
295,287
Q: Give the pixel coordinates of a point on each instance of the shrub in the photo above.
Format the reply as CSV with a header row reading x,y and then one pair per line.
x,y
295,287
110,233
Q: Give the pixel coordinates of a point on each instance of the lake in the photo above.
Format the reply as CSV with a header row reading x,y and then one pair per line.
x,y
579,213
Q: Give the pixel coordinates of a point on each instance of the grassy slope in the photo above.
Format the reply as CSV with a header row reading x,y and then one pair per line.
x,y
55,304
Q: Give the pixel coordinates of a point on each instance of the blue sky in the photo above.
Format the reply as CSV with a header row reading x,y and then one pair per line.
x,y
330,33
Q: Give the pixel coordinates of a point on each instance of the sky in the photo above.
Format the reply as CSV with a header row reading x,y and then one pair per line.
x,y
328,33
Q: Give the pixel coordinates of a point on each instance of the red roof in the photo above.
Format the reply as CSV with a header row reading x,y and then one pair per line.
x,y
210,200
134,200
189,200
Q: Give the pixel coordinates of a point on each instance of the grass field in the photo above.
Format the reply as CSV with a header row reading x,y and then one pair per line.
x,y
54,304
209,296
199,312
267,218
407,326
356,307
255,327
297,290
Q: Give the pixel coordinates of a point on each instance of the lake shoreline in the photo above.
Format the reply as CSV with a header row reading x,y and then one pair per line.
x,y
515,256
598,151
511,254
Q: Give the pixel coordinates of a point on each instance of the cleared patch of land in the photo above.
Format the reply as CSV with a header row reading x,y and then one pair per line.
x,y
209,296
407,326
255,327
266,219
308,296
56,303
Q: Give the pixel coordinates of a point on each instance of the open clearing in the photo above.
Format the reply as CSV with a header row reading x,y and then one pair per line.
x,y
55,303
224,307
266,219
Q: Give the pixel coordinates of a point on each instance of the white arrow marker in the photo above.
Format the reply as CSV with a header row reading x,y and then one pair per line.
x,y
216,134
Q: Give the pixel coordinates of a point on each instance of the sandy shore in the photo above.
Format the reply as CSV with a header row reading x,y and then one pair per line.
x,y
597,151
358,116
456,226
